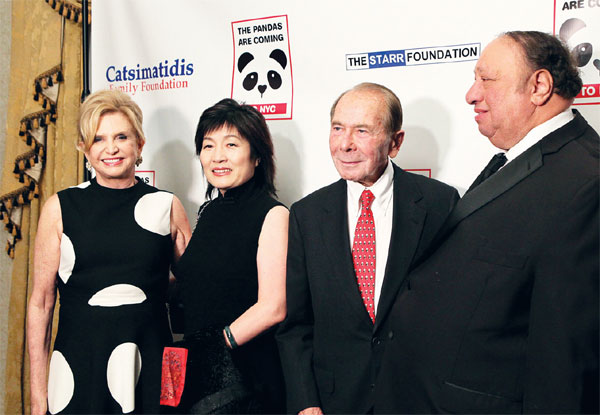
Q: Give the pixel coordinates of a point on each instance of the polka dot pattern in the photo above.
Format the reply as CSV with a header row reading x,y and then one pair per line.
x,y
153,212
363,253
81,185
105,298
122,374
117,295
67,258
61,383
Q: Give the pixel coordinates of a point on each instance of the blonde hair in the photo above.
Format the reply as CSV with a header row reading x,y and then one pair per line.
x,y
104,102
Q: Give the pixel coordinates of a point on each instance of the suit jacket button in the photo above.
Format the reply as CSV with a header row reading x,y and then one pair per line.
x,y
375,341
391,335
372,386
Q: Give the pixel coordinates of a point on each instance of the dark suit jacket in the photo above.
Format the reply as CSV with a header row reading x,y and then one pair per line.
x,y
329,346
503,316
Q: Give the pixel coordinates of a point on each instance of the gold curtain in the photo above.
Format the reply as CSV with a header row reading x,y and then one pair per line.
x,y
41,157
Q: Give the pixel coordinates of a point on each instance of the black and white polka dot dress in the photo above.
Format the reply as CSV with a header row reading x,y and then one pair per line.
x,y
116,251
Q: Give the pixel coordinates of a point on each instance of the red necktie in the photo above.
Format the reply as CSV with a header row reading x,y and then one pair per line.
x,y
363,252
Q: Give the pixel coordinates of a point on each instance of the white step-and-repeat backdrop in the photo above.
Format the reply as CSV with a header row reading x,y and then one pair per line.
x,y
293,58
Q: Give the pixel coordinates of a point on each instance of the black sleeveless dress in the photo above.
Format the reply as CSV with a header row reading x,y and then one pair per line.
x,y
218,280
116,251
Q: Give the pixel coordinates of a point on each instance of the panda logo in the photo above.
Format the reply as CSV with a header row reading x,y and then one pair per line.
x,y
575,33
254,76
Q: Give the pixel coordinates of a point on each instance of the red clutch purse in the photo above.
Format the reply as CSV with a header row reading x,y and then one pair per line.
x,y
173,375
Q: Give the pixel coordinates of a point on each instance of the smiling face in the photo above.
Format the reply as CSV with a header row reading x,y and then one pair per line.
x,y
226,158
501,94
114,150
358,142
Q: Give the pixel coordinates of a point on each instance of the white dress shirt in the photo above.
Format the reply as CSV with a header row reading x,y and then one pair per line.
x,y
382,208
537,133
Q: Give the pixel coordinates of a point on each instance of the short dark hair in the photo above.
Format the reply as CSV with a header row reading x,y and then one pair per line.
x,y
545,51
252,126
392,119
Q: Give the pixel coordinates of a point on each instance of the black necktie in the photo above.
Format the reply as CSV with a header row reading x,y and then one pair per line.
x,y
493,166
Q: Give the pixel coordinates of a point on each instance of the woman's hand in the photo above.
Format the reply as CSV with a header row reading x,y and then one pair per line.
x,y
39,405
46,260
270,308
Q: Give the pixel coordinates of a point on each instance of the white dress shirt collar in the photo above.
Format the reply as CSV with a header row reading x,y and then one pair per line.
x,y
383,208
539,132
381,189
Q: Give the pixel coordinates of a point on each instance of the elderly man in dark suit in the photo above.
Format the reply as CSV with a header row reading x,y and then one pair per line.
x,y
350,245
502,316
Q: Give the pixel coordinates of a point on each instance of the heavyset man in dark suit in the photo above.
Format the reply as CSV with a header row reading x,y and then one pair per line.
x,y
332,339
502,317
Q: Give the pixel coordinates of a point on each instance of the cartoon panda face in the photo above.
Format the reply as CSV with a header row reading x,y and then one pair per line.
x,y
253,72
578,36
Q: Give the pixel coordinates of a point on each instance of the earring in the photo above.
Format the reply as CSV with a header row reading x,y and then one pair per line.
x,y
88,166
138,161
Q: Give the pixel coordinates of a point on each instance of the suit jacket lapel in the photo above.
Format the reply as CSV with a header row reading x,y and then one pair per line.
x,y
336,240
507,177
496,185
513,173
407,225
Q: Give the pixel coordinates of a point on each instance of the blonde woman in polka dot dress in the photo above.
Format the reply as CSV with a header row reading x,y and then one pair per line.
x,y
107,246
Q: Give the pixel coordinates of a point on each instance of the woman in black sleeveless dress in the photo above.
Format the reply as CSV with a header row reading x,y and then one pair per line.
x,y
107,245
232,274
